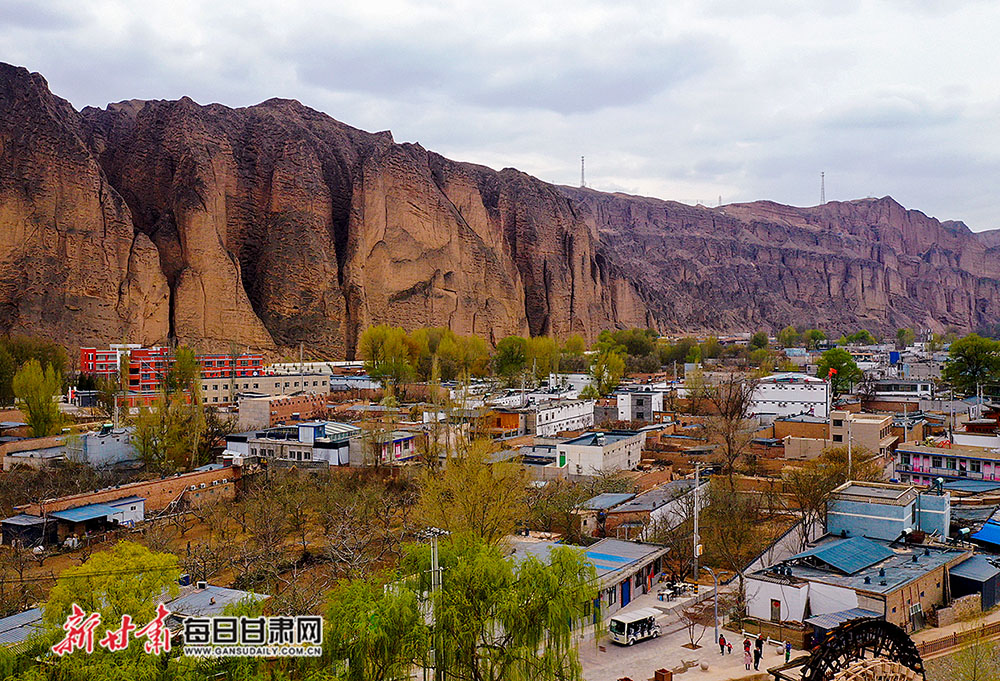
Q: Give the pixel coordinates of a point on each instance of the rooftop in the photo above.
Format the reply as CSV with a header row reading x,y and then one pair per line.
x,y
83,513
611,436
211,600
658,496
607,555
899,567
976,568
606,501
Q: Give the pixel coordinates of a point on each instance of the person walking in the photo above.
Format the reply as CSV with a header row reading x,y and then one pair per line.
x,y
722,644
729,647
746,645
758,652
788,651
746,657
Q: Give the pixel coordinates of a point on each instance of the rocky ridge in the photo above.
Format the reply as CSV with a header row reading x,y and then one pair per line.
x,y
270,225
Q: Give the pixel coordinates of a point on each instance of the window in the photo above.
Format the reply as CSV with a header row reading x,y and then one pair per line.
x,y
838,423
950,463
936,461
976,466
904,458
838,438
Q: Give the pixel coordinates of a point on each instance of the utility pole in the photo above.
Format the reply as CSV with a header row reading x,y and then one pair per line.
x,y
696,545
849,438
583,181
822,188
716,579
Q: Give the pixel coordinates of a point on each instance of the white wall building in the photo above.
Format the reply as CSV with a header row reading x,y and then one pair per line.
x,y
549,418
791,394
595,453
570,382
639,405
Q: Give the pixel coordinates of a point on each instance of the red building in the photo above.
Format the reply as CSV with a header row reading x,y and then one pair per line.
x,y
148,366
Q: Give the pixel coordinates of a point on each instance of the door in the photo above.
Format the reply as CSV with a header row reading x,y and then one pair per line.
x,y
625,592
775,610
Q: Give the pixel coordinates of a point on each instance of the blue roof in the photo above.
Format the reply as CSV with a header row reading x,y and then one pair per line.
x,y
23,519
989,534
126,500
848,555
17,628
832,620
976,568
606,500
82,513
211,600
972,485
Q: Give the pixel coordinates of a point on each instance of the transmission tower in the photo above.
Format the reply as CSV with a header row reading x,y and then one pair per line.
x,y
583,181
822,188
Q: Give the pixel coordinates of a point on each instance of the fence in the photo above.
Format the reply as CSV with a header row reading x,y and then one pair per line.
x,y
958,639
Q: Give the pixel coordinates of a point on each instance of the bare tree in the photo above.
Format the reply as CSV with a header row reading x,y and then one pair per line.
x,y
696,619
730,425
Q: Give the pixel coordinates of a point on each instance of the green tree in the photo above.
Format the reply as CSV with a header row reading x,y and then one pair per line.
x,y
386,354
503,618
36,391
607,371
184,373
813,337
542,356
759,340
475,494
972,361
378,630
861,337
574,346
511,356
788,337
905,338
169,434
845,369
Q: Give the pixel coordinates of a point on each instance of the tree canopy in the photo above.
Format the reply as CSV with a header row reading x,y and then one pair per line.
x,y
972,361
36,390
840,367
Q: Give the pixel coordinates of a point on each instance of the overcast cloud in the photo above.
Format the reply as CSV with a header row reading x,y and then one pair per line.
x,y
684,100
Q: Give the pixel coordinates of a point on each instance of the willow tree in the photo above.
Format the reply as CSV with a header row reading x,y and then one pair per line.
x,y
36,390
506,618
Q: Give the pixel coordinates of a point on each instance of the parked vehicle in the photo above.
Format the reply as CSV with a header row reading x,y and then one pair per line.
x,y
628,627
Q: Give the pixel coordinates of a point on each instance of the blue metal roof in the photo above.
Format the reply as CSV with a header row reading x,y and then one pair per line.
x,y
972,485
976,568
211,600
82,513
17,628
848,555
23,519
832,620
606,500
989,534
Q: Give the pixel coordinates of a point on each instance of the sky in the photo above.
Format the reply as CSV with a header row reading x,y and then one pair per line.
x,y
697,100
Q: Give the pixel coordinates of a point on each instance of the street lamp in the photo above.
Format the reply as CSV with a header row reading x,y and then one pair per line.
x,y
715,577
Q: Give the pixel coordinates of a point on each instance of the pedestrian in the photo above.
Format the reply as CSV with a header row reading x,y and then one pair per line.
x,y
757,653
788,650
722,644
746,645
729,647
746,657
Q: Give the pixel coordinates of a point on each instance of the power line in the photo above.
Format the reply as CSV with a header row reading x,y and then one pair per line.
x,y
102,573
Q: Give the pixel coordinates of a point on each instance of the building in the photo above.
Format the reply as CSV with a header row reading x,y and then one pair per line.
x,y
634,516
896,390
314,442
572,383
222,391
604,452
552,417
625,569
977,575
885,511
639,405
922,465
391,447
871,431
147,367
791,394
272,410
101,449
898,584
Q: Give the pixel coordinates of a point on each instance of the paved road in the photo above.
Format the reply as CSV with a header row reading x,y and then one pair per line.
x,y
640,661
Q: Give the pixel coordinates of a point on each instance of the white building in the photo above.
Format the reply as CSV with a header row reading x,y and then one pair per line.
x,y
791,394
547,419
315,441
595,453
570,382
639,405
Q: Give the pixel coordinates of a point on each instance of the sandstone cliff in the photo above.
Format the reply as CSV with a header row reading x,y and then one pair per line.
x,y
275,224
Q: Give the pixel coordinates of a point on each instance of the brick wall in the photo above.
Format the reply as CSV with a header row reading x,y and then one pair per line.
x,y
157,493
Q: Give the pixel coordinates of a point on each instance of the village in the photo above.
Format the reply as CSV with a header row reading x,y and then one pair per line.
x,y
720,489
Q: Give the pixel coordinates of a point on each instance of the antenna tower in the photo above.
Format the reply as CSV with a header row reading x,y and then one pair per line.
x,y
583,181
822,188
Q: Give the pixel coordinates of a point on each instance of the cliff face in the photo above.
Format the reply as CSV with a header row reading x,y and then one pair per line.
x,y
843,265
275,224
